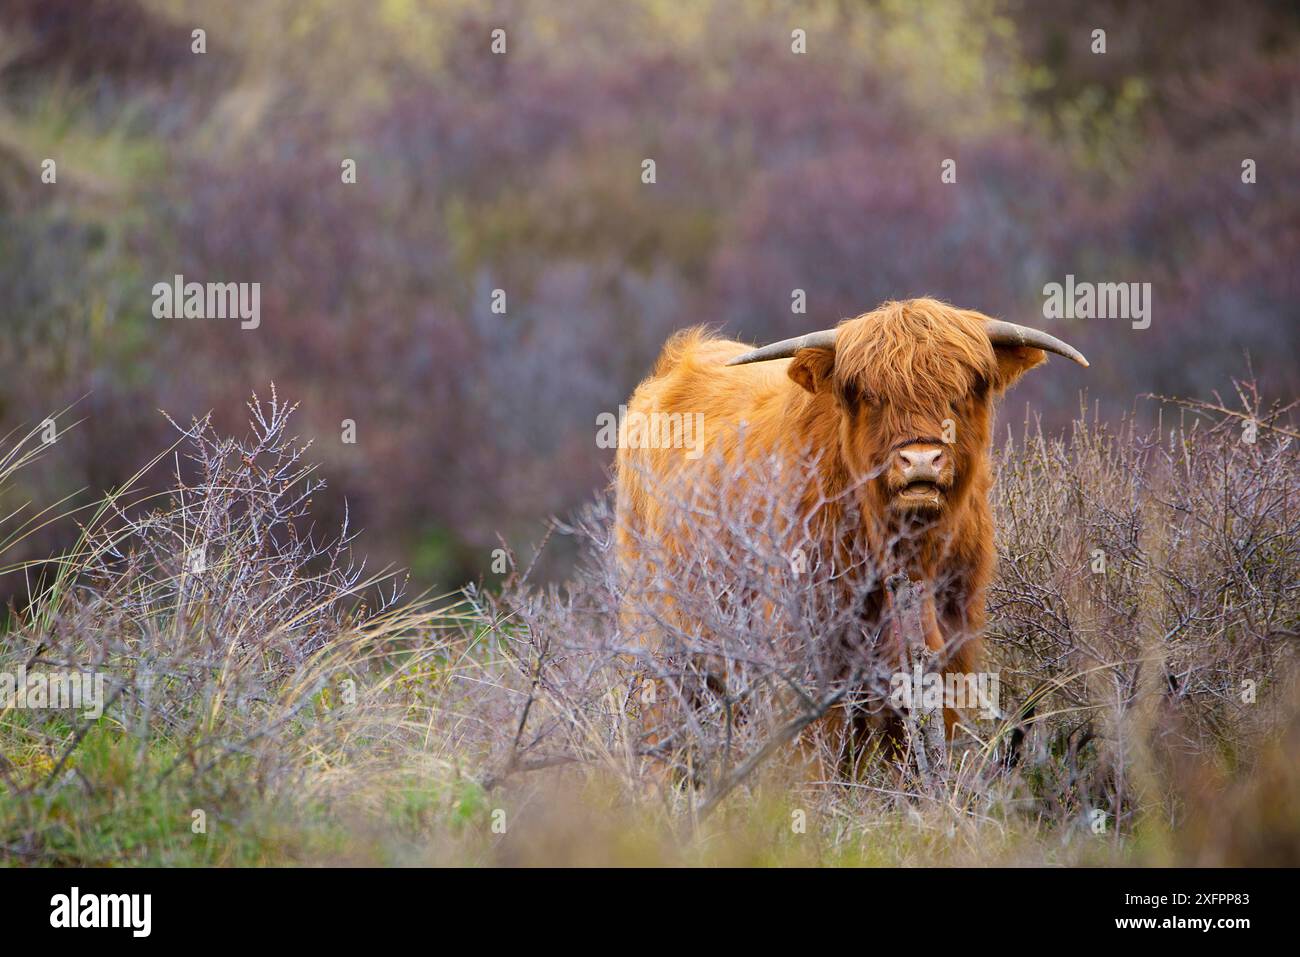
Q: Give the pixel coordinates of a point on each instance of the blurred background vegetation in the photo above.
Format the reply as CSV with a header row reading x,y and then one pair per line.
x,y
522,172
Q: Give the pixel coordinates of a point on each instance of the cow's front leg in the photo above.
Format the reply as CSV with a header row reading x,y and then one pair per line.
x,y
937,643
914,622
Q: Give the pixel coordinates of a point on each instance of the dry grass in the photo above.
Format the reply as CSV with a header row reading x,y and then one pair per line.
x,y
316,715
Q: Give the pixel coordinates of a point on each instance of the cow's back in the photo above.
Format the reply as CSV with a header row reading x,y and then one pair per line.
x,y
735,404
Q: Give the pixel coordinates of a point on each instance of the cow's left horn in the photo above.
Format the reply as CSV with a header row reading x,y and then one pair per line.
x,y
825,339
1009,334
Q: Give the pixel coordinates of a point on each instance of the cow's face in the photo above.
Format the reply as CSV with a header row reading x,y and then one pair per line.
x,y
912,454
913,384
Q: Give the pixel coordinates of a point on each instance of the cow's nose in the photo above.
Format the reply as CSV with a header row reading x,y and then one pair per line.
x,y
920,464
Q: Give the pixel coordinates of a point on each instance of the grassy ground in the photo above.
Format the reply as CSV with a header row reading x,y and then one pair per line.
x,y
111,812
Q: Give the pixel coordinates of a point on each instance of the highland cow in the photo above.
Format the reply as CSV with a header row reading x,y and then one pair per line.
x,y
894,407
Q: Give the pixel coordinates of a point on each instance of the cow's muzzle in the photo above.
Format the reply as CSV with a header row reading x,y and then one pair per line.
x,y
920,474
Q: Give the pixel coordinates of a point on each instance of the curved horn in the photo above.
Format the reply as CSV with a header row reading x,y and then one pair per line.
x,y
1009,334
825,339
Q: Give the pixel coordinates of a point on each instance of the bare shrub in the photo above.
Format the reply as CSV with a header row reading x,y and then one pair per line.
x,y
1147,595
1144,578
1142,624
214,610
704,662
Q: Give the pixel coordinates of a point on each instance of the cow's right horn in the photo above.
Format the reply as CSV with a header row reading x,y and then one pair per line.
x,y
825,339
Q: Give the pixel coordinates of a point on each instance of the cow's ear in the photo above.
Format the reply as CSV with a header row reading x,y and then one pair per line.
x,y
812,368
1013,362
